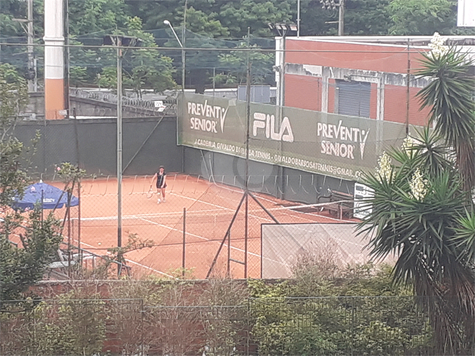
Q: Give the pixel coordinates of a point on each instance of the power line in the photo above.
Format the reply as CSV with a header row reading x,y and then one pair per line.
x,y
215,49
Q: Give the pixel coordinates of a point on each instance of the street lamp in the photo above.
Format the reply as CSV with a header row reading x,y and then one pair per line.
x,y
282,30
119,42
168,23
331,4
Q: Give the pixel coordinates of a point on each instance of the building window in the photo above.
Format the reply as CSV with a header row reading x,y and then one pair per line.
x,y
353,98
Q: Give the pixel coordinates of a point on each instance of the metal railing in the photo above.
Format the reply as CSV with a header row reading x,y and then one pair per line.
x,y
166,106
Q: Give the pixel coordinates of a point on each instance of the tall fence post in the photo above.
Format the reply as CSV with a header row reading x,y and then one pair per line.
x,y
183,262
142,311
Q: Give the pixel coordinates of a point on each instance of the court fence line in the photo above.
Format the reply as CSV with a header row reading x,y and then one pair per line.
x,y
206,237
255,326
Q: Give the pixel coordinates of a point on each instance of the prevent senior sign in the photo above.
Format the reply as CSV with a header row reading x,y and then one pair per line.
x,y
335,145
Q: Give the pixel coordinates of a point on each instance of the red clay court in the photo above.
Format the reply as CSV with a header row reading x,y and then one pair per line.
x,y
210,208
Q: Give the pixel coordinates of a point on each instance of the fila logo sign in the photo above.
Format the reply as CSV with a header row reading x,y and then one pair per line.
x,y
266,122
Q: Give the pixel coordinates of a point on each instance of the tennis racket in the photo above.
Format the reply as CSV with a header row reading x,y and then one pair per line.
x,y
150,193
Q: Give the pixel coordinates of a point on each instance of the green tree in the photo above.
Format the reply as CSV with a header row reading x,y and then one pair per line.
x,y
422,17
451,103
13,97
415,213
238,16
367,17
422,208
143,68
96,17
202,31
37,236
233,66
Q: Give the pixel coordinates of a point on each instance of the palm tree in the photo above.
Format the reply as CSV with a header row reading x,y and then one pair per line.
x,y
417,212
421,209
452,108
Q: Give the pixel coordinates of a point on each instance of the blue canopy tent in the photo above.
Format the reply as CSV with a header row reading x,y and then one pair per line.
x,y
52,198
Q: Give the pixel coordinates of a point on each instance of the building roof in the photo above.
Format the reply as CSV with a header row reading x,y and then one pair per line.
x,y
467,43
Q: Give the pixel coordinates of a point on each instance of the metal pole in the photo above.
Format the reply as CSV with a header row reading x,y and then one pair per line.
x,y
408,84
79,222
67,60
281,110
31,66
183,264
214,81
183,69
119,142
341,18
183,56
166,22
68,211
78,165
248,114
229,256
298,18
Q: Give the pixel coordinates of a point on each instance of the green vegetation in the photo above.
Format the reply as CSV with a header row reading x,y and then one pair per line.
x,y
210,25
422,209
225,317
38,235
145,68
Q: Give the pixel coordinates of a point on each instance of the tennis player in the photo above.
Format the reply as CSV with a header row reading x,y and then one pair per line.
x,y
161,184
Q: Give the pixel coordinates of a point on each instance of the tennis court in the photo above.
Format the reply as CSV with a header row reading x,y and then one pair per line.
x,y
194,237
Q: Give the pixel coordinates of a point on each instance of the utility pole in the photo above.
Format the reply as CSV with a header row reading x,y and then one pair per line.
x,y
119,141
298,18
32,82
32,76
282,29
120,43
183,55
341,18
332,5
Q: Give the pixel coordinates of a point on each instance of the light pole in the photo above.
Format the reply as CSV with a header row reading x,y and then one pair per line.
x,y
282,29
32,75
119,42
331,4
168,23
298,18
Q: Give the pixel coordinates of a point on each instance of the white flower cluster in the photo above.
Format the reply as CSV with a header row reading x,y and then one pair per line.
x,y
418,185
437,45
384,169
407,145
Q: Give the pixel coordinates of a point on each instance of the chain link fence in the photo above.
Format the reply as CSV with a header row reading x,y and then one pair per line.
x,y
203,229
269,326
306,142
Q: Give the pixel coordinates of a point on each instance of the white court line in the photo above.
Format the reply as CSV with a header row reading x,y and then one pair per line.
x,y
197,236
150,268
270,209
217,208
134,262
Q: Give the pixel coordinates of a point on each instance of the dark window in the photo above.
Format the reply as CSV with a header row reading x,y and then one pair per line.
x,y
353,98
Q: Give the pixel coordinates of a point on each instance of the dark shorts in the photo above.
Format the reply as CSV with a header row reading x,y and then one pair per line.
x,y
158,187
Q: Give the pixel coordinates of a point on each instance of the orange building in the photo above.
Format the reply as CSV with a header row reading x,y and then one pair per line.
x,y
372,77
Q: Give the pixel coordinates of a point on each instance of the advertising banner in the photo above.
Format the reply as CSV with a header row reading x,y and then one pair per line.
x,y
329,144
